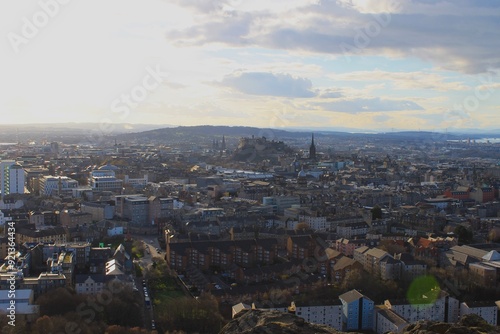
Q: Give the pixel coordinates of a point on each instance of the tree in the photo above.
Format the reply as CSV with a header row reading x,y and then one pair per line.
x,y
59,301
5,328
302,226
191,315
116,329
464,234
124,309
391,247
494,234
376,212
353,279
43,325
137,249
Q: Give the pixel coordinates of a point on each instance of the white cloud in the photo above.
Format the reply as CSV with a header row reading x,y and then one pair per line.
x,y
363,105
334,28
404,80
260,83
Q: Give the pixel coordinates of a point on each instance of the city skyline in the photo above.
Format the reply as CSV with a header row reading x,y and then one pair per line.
x,y
373,65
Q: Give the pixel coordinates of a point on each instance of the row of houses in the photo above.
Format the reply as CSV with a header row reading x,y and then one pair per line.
x,y
64,264
223,253
357,312
480,194
381,264
261,260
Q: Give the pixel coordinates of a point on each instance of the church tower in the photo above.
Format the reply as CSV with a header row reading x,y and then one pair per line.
x,y
312,149
223,145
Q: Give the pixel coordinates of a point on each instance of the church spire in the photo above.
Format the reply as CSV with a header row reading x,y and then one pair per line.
x,y
312,149
223,145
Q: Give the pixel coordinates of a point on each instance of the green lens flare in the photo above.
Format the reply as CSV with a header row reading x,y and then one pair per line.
x,y
424,290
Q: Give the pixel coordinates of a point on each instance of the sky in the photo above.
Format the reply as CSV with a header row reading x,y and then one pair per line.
x,y
358,64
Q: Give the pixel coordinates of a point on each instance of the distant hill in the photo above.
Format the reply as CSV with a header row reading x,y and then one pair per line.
x,y
78,132
66,132
214,131
194,133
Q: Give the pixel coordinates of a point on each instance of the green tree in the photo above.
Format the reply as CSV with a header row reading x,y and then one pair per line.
x,y
138,249
124,309
352,280
59,301
376,212
191,315
464,235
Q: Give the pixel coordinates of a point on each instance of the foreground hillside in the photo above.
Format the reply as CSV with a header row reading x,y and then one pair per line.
x,y
263,321
275,322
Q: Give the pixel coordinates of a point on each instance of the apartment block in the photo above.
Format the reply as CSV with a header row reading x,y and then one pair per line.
x,y
52,185
98,210
357,311
486,310
12,178
445,309
105,180
388,321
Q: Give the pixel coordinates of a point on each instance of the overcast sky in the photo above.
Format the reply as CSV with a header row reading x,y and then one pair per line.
x,y
372,64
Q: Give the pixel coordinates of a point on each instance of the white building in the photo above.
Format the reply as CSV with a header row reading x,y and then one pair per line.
x,y
89,284
435,311
25,307
389,321
280,203
4,219
105,180
316,223
136,182
330,315
50,185
11,204
115,230
349,230
11,178
486,310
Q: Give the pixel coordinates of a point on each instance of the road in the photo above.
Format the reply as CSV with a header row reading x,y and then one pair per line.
x,y
150,244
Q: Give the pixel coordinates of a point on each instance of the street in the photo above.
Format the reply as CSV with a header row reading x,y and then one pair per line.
x,y
150,245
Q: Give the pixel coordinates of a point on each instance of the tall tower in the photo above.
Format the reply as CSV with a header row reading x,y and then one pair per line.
x,y
312,149
11,178
223,145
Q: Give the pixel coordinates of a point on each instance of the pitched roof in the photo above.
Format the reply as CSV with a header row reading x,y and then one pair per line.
x,y
471,251
332,253
351,296
344,262
362,249
393,317
376,252
492,256
98,278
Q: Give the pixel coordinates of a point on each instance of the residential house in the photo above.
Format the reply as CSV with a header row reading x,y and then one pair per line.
x,y
56,234
89,284
342,267
347,246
